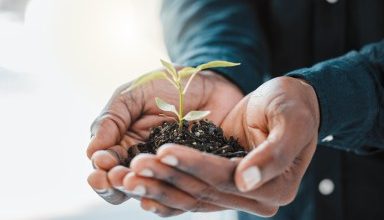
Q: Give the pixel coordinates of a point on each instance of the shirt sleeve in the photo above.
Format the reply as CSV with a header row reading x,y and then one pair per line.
x,y
200,31
350,94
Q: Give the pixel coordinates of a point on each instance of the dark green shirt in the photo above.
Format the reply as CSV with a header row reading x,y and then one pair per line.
x,y
338,47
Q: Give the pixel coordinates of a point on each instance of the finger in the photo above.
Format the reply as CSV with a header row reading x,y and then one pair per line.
x,y
164,194
108,129
106,132
147,165
282,190
115,178
150,166
99,182
158,208
270,159
107,159
213,170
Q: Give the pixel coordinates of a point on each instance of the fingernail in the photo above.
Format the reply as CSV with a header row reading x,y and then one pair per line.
x,y
101,191
146,173
103,154
139,190
251,177
152,209
94,165
166,145
105,193
124,190
170,160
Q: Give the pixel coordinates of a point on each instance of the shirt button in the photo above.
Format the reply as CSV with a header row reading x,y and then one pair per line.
x,y
329,138
326,187
332,1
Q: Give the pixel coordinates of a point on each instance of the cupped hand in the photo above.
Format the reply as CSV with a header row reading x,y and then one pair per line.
x,y
278,123
128,117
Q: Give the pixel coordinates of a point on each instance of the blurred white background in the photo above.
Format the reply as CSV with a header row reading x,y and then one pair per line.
x,y
60,60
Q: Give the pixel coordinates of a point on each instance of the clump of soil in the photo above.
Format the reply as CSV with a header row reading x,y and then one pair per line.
x,y
202,135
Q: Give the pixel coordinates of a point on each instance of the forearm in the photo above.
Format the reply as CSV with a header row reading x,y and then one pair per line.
x,y
350,91
200,31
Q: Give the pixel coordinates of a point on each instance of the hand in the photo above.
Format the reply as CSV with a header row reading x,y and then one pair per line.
x,y
127,118
278,122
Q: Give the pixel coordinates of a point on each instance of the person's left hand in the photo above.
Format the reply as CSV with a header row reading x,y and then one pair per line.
x,y
279,122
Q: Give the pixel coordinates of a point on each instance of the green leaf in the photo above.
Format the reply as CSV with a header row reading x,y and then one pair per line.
x,y
216,63
170,68
157,74
187,71
196,115
212,64
165,106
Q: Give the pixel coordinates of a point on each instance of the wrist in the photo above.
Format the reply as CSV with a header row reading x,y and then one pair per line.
x,y
312,99
223,82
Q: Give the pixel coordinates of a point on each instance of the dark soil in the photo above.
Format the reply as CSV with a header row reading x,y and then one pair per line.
x,y
202,135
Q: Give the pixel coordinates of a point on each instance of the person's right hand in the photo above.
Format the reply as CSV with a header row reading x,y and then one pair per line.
x,y
128,117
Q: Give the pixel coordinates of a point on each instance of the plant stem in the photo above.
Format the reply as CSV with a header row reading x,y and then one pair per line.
x,y
181,105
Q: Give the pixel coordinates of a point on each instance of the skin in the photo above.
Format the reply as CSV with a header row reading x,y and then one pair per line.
x,y
127,118
267,121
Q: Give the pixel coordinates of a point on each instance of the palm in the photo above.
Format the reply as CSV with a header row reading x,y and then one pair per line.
x,y
134,113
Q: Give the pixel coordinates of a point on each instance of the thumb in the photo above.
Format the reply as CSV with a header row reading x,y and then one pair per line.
x,y
268,160
106,132
108,129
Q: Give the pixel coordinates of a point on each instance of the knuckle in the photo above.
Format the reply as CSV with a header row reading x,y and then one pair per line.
x,y
197,206
225,186
172,178
278,106
206,194
132,97
270,212
112,118
287,198
158,192
160,196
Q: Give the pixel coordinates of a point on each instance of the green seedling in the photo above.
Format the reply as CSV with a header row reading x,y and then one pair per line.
x,y
175,78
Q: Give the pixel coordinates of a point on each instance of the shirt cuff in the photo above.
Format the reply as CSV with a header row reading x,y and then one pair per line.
x,y
347,97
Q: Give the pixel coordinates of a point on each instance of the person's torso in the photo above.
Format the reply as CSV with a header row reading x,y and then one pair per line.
x,y
300,33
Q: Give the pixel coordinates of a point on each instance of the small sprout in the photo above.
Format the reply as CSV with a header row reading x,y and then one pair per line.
x,y
161,104
175,78
196,115
170,69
